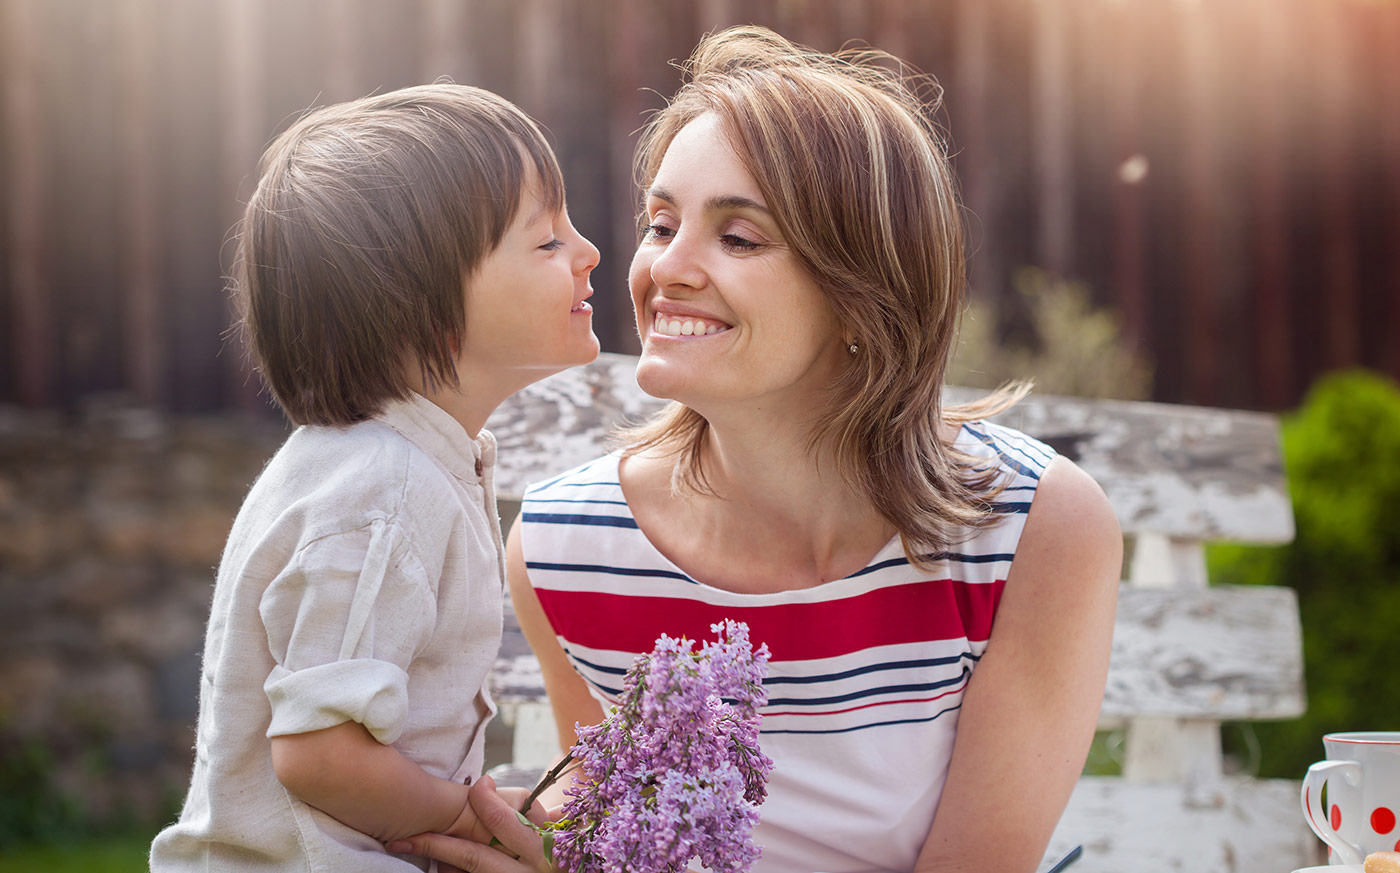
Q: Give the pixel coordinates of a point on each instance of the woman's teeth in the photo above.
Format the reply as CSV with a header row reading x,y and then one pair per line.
x,y
685,326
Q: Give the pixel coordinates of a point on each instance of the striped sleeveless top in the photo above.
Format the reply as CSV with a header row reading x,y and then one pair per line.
x,y
867,672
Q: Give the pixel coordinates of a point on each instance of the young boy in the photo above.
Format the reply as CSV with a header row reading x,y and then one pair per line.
x,y
405,264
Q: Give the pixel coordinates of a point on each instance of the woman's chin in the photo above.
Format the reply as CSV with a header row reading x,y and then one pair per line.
x,y
656,377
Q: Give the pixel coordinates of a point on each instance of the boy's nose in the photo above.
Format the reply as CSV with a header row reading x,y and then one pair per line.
x,y
589,256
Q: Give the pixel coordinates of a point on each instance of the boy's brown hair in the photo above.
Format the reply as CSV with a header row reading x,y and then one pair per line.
x,y
354,250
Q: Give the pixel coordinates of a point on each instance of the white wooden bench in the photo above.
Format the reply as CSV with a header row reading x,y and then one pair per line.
x,y
1186,655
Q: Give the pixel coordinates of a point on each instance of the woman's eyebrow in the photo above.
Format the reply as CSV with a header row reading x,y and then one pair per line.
x,y
724,202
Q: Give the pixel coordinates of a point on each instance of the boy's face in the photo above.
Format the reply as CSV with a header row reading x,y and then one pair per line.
x,y
527,314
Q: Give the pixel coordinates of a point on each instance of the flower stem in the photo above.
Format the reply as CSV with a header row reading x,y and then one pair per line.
x,y
547,780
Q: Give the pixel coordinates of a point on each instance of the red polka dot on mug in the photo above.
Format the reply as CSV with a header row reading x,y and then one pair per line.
x,y
1382,820
1336,817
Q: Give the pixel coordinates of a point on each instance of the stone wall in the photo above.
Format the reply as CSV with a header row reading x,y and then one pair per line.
x,y
112,520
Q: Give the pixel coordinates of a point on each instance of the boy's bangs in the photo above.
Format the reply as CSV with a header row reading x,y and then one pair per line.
x,y
547,173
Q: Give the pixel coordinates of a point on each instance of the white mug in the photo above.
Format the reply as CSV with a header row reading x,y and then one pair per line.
x,y
1352,800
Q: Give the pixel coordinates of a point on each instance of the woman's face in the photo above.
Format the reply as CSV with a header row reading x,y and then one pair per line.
x,y
726,313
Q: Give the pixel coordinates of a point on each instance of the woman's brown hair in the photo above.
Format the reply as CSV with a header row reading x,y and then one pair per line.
x,y
848,160
367,220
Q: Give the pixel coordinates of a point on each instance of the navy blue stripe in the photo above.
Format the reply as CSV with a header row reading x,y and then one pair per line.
x,y
872,668
596,520
1020,488
612,671
1011,508
538,486
809,680
611,571
1001,453
529,500
991,558
613,693
1032,450
869,692
892,562
861,727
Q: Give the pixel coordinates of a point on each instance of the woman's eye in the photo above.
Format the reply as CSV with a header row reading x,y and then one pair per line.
x,y
738,243
553,245
658,231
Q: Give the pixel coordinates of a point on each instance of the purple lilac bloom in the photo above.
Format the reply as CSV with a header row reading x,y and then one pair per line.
x,y
675,771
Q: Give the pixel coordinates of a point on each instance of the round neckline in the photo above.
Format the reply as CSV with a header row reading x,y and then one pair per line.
x,y
891,549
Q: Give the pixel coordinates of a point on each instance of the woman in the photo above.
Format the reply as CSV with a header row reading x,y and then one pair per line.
x,y
937,591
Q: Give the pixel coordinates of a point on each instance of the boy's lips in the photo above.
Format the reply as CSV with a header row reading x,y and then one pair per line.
x,y
582,304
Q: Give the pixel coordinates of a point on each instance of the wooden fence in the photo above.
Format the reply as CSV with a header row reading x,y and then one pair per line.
x,y
1224,172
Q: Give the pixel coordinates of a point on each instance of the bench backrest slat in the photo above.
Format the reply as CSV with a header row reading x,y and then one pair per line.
x,y
1187,472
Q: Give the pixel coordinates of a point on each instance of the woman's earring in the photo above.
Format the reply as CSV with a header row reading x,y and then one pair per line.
x,y
853,348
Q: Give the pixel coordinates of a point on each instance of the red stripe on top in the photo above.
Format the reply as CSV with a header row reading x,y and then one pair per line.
x,y
936,609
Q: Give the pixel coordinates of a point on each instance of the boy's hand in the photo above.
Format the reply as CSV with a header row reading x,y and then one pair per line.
x,y
468,827
515,799
519,848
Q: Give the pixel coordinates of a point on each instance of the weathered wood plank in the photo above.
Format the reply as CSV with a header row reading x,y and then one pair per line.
x,y
1182,471
1232,825
1223,653
1219,653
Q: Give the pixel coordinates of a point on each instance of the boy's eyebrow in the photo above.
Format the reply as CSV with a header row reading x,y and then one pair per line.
x,y
727,201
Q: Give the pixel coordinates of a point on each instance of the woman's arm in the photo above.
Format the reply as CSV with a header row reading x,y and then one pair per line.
x,y
1031,706
568,695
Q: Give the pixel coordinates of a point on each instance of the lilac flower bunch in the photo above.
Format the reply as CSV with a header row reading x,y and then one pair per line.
x,y
675,771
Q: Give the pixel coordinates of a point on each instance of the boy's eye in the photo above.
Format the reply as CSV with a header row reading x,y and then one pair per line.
x,y
553,245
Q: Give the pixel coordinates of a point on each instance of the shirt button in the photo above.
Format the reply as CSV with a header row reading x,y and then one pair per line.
x,y
478,466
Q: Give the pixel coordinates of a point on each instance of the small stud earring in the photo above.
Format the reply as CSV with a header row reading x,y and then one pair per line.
x,y
853,348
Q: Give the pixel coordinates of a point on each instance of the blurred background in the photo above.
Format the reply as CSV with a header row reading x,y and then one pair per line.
x,y
1193,201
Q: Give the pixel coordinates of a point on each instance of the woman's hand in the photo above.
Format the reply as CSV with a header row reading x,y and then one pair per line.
x,y
520,848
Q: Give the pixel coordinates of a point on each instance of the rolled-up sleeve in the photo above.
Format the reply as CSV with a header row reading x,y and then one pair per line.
x,y
344,621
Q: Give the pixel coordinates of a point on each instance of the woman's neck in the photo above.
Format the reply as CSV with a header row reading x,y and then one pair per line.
x,y
779,498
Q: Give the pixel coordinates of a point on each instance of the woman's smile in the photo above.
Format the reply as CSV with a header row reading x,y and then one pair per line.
x,y
685,325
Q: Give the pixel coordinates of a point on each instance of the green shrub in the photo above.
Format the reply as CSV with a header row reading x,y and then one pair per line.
x,y
32,808
1342,455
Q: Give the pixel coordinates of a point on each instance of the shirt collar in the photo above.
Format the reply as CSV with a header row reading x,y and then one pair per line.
x,y
432,429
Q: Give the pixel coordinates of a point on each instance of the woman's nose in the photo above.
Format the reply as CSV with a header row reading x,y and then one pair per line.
x,y
677,264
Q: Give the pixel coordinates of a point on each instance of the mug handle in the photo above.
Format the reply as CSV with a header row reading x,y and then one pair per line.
x,y
1343,780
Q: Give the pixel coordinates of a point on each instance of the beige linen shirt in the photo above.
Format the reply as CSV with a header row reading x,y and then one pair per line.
x,y
362,581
